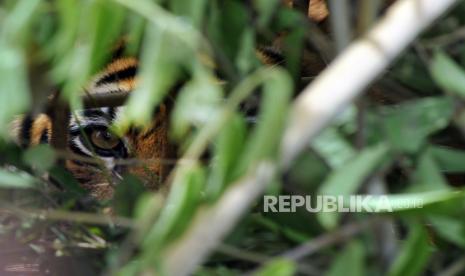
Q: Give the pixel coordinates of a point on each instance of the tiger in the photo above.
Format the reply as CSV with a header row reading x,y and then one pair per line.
x,y
90,135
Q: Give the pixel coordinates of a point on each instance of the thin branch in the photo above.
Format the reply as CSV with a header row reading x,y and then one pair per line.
x,y
314,245
77,217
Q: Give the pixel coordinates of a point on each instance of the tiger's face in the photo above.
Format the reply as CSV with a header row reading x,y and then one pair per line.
x,y
100,157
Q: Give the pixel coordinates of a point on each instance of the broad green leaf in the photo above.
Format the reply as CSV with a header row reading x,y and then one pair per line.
x,y
334,149
407,125
41,157
449,228
105,25
179,209
279,267
197,104
264,139
246,58
126,194
15,25
227,149
448,159
14,90
349,262
16,179
427,176
448,74
192,10
265,9
347,179
158,72
414,254
66,180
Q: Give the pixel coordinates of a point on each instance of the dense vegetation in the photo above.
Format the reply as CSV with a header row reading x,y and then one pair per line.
x,y
403,138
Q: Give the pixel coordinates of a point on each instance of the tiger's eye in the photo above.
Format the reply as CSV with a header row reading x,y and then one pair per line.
x,y
104,139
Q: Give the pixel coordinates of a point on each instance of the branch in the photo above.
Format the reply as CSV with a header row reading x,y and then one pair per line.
x,y
358,66
326,97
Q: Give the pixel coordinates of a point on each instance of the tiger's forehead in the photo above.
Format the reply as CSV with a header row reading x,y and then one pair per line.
x,y
119,75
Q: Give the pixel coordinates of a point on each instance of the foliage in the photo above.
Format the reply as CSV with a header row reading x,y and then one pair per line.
x,y
404,138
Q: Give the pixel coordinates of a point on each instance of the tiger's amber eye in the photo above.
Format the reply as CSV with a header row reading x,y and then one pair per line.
x,y
104,139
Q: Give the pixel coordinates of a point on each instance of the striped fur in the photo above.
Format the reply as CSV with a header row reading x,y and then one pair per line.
x,y
99,179
146,144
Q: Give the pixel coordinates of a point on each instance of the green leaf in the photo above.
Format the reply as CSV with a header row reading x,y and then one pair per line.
x,y
407,125
451,229
246,58
14,89
447,74
264,140
350,262
158,72
192,10
66,179
41,157
448,159
347,179
279,267
228,148
414,254
126,194
16,179
427,176
197,103
265,9
334,149
179,209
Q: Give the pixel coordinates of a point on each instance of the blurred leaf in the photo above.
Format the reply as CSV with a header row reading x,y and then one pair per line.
x,y
228,147
192,10
106,21
279,267
347,179
179,208
349,262
41,157
451,229
158,72
407,125
265,9
427,176
448,74
414,254
16,179
246,58
15,25
166,22
448,159
66,180
126,194
14,89
197,103
264,139
334,149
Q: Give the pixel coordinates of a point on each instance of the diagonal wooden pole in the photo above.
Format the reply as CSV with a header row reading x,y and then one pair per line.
x,y
334,90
